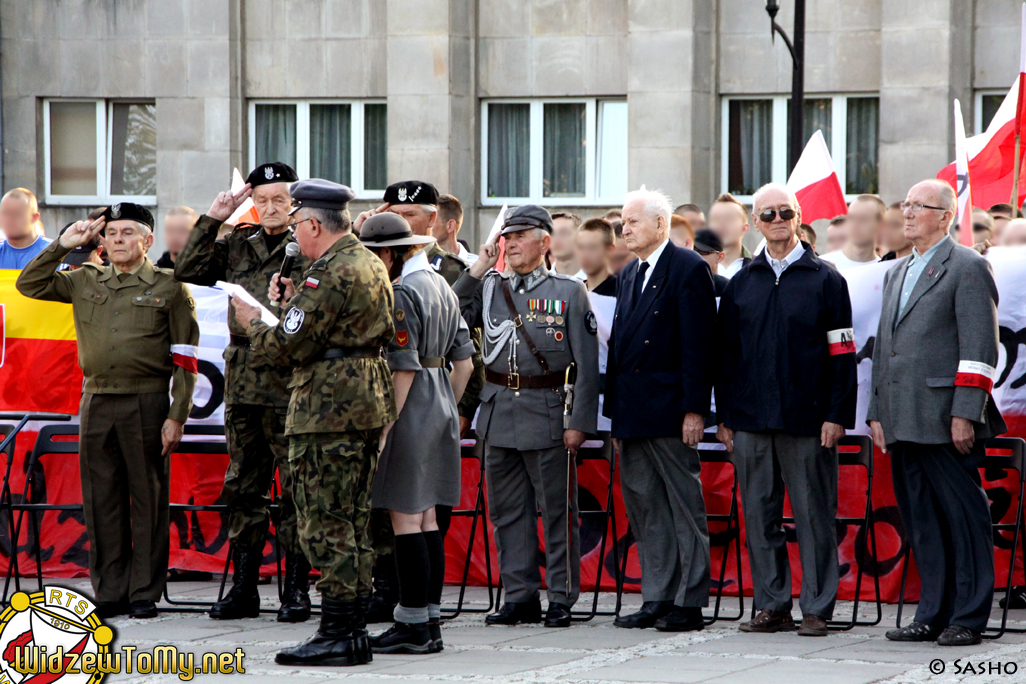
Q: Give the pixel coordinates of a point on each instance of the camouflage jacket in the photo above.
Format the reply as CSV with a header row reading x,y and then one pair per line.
x,y
241,258
343,301
451,267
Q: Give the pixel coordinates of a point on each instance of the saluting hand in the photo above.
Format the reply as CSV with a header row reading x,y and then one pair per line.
x,y
226,203
82,233
244,312
170,435
273,293
488,256
366,215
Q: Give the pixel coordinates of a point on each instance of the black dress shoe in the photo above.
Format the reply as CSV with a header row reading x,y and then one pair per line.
x,y
957,635
109,609
404,638
143,610
558,615
1016,598
514,613
681,620
646,617
915,631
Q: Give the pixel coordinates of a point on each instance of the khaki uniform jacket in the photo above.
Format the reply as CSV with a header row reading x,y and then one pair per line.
x,y
125,329
240,258
344,301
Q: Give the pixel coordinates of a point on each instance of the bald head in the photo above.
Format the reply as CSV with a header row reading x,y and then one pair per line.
x,y
1014,233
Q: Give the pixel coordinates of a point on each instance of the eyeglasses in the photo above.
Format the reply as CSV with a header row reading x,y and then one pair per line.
x,y
292,226
917,207
786,214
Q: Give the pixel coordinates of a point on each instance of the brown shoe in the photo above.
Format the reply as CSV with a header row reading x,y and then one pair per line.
x,y
769,621
812,625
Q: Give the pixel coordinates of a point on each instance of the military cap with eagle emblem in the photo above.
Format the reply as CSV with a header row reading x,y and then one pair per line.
x,y
317,193
128,211
272,172
411,192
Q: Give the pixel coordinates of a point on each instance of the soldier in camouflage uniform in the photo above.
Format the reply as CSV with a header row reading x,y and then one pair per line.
x,y
256,395
332,331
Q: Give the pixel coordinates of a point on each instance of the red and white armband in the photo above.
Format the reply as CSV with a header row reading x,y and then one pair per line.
x,y
841,341
975,374
186,356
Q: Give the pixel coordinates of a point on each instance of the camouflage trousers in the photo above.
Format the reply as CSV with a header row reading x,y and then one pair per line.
x,y
257,444
334,473
382,532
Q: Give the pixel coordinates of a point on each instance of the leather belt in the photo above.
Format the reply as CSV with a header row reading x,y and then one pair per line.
x,y
349,353
238,340
517,381
432,362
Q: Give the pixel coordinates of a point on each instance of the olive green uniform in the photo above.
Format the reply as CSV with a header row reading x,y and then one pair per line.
x,y
126,324
256,389
331,333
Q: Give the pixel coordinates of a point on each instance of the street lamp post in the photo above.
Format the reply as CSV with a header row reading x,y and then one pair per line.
x,y
795,136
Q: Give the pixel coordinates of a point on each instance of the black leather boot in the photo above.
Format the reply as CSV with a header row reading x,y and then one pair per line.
x,y
386,590
337,641
243,600
295,604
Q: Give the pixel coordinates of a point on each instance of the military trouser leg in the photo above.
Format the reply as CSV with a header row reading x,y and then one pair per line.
x,y
334,473
382,532
257,444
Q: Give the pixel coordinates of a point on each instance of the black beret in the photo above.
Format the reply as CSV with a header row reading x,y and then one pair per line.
x,y
707,241
411,192
274,172
128,211
527,217
318,193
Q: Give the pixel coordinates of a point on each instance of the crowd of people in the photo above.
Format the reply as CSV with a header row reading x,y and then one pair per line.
x,y
394,341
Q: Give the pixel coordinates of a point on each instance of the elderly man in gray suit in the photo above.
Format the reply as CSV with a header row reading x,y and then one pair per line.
x,y
933,369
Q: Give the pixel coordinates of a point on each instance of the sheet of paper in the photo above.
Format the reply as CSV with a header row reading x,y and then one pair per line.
x,y
266,315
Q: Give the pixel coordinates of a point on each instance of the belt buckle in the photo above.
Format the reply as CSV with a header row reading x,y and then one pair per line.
x,y
513,378
518,322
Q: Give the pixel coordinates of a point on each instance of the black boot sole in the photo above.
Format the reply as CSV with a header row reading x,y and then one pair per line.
x,y
335,661
405,649
293,615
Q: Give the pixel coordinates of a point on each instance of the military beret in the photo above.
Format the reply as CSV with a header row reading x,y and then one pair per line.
x,y
274,172
79,255
411,192
390,230
527,217
708,241
128,211
318,193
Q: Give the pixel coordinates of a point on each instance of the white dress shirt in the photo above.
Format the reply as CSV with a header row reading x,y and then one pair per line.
x,y
779,265
652,259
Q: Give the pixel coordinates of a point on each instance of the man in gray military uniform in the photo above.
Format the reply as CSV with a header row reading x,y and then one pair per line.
x,y
536,324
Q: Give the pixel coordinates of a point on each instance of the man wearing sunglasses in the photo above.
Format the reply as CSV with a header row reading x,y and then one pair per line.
x,y
785,397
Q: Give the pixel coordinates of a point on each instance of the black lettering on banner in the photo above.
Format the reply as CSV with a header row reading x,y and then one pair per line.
x,y
1011,340
216,380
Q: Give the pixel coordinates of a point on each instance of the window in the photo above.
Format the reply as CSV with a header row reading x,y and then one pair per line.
x,y
554,152
987,104
754,142
344,142
99,151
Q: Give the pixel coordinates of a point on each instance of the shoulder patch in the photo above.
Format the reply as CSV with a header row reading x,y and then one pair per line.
x,y
400,315
436,263
293,321
590,324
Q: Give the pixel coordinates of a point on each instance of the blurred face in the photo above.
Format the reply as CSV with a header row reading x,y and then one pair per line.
x,y
525,249
981,235
1015,233
729,222
126,243
592,252
925,225
863,224
837,235
420,218
713,259
1000,222
695,218
563,233
273,204
777,229
621,256
17,218
176,232
642,231
892,232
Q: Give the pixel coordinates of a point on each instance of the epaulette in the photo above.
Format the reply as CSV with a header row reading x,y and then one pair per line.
x,y
90,264
563,276
504,275
247,229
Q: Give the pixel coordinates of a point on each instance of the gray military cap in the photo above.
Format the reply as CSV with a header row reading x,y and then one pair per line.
x,y
527,217
318,193
390,230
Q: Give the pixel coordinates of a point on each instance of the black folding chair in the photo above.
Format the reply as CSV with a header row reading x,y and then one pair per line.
x,y
1002,453
605,452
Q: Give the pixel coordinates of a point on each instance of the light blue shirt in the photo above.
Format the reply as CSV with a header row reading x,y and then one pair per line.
x,y
916,265
15,258
780,265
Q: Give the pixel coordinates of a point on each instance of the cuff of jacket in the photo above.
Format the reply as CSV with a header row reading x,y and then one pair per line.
x,y
970,403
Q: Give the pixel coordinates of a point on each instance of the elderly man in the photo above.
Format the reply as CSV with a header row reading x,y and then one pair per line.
x,y
865,215
178,223
136,328
930,406
658,385
785,396
23,234
256,393
537,324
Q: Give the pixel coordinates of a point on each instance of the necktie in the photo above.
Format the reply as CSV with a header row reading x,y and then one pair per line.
x,y
639,282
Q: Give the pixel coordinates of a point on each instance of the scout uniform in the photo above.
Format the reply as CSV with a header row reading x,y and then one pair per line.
x,y
136,331
521,418
331,334
256,398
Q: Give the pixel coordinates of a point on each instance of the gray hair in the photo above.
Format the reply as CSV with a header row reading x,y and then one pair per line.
x,y
773,186
334,220
946,197
656,202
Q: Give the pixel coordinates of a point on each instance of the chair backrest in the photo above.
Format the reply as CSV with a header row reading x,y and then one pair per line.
x,y
1006,452
5,430
596,449
718,454
48,442
856,450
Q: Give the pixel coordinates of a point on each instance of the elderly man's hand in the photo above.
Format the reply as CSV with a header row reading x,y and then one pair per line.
x,y
962,434
82,233
244,313
226,203
726,437
170,435
274,294
572,440
830,434
358,223
691,431
878,435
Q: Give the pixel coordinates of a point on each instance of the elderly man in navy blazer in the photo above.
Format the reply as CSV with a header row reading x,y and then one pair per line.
x,y
658,385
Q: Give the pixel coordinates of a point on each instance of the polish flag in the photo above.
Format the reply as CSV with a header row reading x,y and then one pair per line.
x,y
500,265
963,189
246,213
186,356
815,183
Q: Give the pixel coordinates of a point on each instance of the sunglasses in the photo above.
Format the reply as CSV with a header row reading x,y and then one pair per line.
x,y
786,214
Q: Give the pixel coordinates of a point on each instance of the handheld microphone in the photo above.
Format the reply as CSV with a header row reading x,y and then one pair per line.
x,y
291,252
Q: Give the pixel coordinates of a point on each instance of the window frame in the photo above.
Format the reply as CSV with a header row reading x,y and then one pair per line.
x,y
592,153
104,125
978,107
838,143
356,133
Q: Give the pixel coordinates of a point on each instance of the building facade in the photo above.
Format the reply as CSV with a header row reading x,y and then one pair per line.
x,y
566,103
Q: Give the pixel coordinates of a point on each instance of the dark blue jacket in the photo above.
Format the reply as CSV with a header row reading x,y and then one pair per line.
x,y
659,348
777,369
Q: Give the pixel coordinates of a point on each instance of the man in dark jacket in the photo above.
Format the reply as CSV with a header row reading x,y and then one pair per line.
x,y
658,385
786,395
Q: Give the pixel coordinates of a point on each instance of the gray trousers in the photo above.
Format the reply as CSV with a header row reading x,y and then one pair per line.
x,y
519,483
662,493
768,461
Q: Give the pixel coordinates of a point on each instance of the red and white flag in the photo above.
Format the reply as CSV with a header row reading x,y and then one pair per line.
x,y
962,186
500,265
246,213
815,183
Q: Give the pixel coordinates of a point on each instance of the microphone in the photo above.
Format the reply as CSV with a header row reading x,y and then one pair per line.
x,y
291,252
